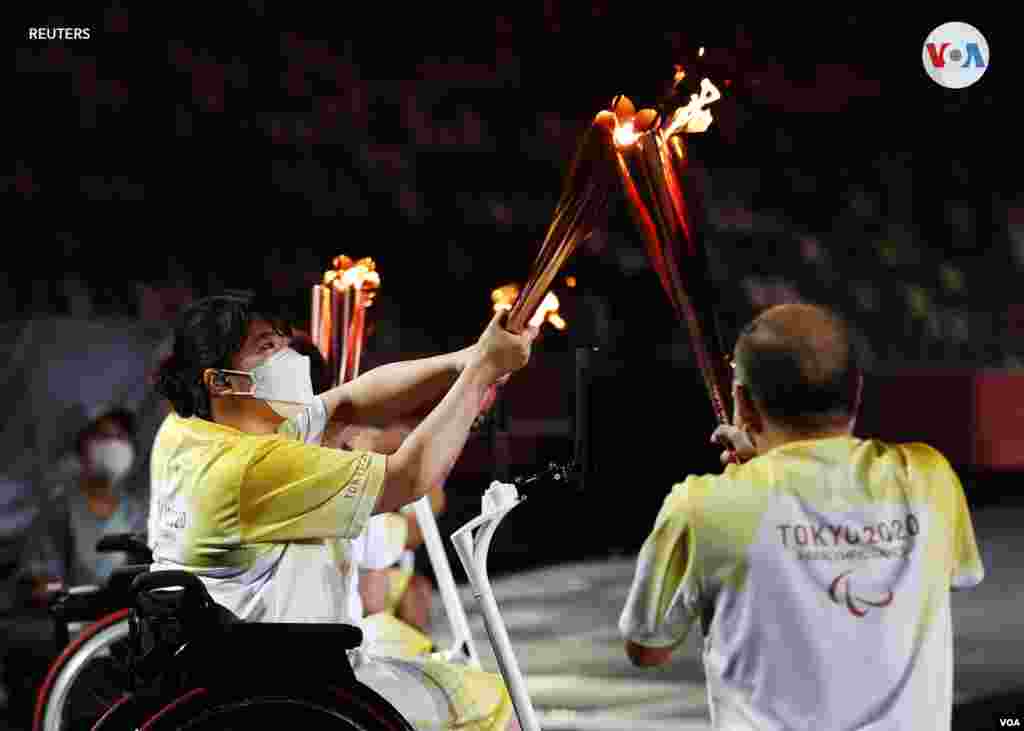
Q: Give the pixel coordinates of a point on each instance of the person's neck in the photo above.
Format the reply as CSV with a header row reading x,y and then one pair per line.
x,y
252,416
774,436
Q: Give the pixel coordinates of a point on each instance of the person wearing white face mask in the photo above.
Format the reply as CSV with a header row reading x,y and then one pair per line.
x,y
243,496
85,502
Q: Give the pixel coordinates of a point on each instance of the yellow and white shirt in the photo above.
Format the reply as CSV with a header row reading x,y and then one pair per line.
x,y
258,517
277,527
821,574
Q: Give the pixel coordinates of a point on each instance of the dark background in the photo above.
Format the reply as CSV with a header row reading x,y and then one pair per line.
x,y
174,155
247,146
186,149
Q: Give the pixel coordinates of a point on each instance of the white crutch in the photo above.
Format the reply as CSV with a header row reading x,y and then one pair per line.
x,y
462,647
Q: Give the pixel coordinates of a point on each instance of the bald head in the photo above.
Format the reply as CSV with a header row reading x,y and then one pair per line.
x,y
799,366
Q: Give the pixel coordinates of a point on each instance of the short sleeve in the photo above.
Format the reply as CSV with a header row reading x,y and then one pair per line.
x,y
967,570
293,491
663,598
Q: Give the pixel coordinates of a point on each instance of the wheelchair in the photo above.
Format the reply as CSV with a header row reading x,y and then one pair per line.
x,y
193,665
91,629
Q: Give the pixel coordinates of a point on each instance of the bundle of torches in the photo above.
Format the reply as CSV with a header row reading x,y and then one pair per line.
x,y
647,152
338,322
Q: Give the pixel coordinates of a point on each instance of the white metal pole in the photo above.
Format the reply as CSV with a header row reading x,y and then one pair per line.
x,y
474,559
458,622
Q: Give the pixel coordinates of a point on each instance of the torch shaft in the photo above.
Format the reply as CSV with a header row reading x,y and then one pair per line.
x,y
326,323
344,295
358,334
583,201
659,189
315,318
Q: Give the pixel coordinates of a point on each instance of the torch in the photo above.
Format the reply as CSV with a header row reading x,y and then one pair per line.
x,y
492,413
361,283
583,202
655,168
338,322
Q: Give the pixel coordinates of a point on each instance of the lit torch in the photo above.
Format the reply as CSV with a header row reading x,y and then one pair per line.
x,y
653,163
363,282
339,306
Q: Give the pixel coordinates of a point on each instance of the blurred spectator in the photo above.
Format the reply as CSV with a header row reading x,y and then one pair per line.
x,y
83,501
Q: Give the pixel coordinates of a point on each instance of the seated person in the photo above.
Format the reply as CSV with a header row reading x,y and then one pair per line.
x,y
83,502
246,498
389,588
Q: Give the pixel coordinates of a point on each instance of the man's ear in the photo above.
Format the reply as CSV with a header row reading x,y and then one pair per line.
x,y
748,411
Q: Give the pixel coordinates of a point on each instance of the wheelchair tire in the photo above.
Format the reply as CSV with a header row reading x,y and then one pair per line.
x,y
327,709
90,646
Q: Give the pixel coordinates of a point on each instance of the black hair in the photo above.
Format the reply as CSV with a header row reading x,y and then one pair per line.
x,y
301,343
794,385
209,333
124,419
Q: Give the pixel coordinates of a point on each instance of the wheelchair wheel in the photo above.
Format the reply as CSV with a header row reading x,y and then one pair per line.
x,y
85,680
330,709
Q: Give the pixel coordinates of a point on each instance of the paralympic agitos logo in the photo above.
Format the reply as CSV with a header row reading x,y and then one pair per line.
x,y
841,591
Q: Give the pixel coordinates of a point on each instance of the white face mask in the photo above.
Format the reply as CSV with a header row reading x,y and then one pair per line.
x,y
283,380
111,458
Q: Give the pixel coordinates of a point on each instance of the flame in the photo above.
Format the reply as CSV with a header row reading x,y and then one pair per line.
x,y
624,134
503,298
700,52
693,117
570,282
329,276
548,312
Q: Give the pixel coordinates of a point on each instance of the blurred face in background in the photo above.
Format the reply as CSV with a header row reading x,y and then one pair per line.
x,y
108,451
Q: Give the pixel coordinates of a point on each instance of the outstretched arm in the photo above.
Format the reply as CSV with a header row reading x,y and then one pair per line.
x,y
394,391
428,454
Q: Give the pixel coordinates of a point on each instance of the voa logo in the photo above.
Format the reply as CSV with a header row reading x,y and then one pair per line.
x,y
1009,722
955,55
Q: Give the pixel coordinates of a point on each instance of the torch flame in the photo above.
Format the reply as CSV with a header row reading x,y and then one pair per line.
x,y
624,134
548,308
354,277
694,117
503,298
690,118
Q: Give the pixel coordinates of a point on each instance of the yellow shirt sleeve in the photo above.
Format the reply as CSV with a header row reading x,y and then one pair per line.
x,y
663,600
293,491
968,570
